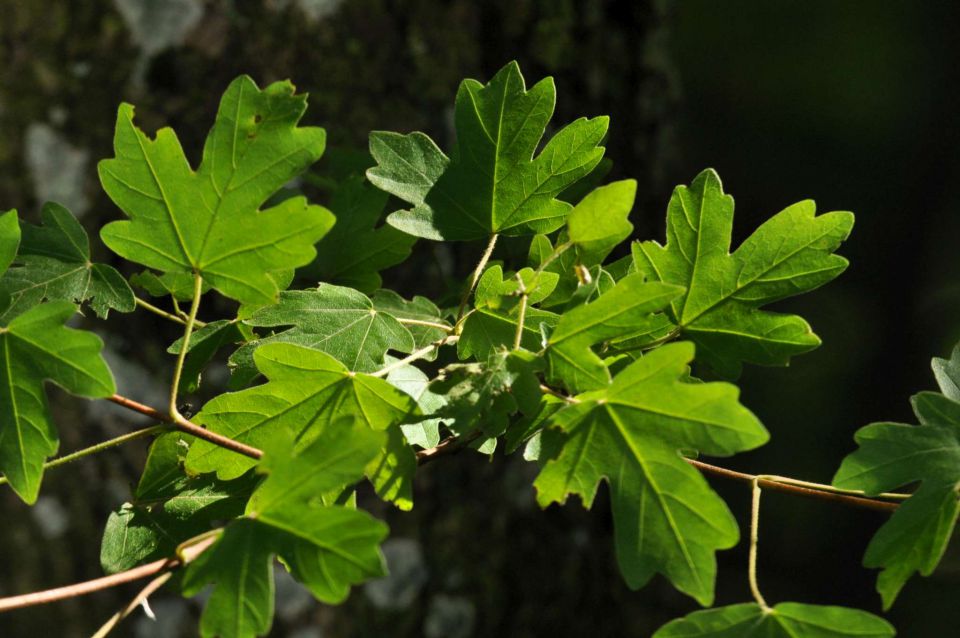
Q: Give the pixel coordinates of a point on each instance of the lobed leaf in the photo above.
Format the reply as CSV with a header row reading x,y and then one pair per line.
x,y
666,517
53,263
492,183
209,221
786,620
789,254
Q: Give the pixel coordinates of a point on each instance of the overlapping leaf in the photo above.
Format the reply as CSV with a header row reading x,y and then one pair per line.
x,y
327,548
169,507
666,517
627,308
492,183
340,321
600,221
308,392
421,317
892,455
36,347
786,620
789,254
354,252
484,395
493,324
53,263
208,221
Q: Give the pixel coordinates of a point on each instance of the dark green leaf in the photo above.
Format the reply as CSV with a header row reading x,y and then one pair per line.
x,y
354,252
626,309
786,620
53,263
339,321
892,455
36,347
307,392
789,254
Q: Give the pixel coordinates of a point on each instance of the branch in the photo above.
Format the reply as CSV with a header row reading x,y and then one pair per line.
x,y
188,427
105,582
99,447
417,354
777,485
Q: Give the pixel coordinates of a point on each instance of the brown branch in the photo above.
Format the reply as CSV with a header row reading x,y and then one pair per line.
x,y
775,486
104,582
450,445
189,428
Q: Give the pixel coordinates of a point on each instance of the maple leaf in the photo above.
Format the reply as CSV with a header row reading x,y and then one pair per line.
x,y
53,263
208,221
492,183
789,254
666,517
785,620
892,455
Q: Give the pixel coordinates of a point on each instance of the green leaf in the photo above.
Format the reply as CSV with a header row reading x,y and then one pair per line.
x,y
486,394
178,285
666,517
36,347
9,238
339,321
789,254
419,309
53,263
947,372
892,455
306,393
354,252
327,548
492,183
413,381
204,345
492,325
599,222
627,308
241,564
786,620
169,507
208,221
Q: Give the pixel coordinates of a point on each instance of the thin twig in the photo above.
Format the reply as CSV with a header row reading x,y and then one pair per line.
x,y
99,447
146,305
754,540
778,486
449,445
185,346
137,600
476,276
415,355
427,324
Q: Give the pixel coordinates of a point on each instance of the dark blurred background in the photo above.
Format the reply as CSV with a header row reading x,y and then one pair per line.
x,y
852,104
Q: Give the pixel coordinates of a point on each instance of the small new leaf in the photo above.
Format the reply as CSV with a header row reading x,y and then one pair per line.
x,y
786,620
624,310
666,517
492,183
209,220
599,222
789,254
